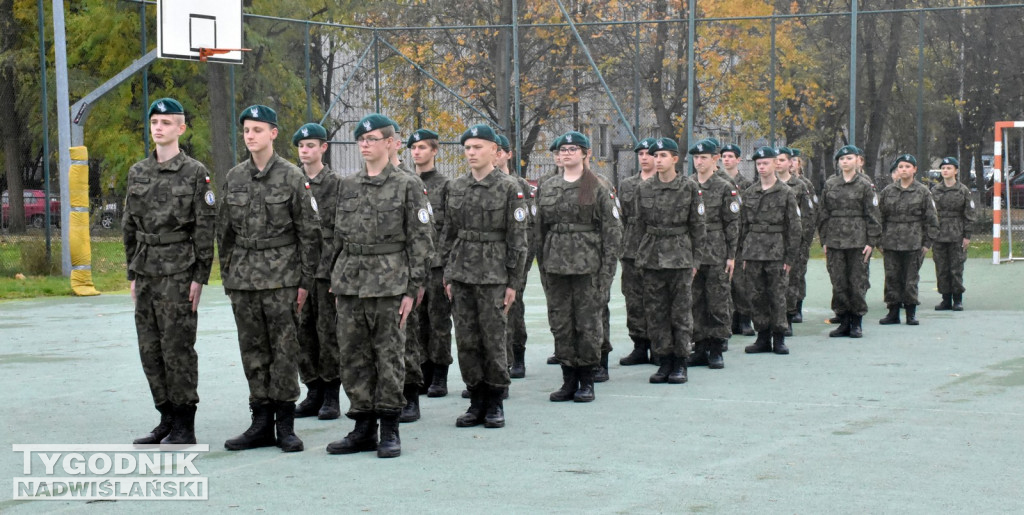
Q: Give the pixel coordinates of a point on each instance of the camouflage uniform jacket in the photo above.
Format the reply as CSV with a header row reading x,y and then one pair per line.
x,y
437,193
848,216
908,217
721,219
955,209
531,219
805,205
740,182
268,231
169,218
577,239
485,235
629,188
324,188
670,220
770,224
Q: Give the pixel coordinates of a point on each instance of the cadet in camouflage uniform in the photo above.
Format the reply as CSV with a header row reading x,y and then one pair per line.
x,y
808,240
849,228
579,233
769,242
670,217
632,281
909,226
955,209
435,312
740,291
553,148
382,241
784,164
484,250
318,341
712,306
168,244
268,241
515,336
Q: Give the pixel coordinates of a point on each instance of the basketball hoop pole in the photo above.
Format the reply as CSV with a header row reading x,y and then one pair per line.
x,y
206,53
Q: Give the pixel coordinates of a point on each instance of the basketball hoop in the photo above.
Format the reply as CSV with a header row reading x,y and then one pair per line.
x,y
205,53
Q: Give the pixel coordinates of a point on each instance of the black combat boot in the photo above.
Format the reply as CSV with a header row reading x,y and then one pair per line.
x,y
736,323
798,317
958,302
838,319
330,409
362,438
745,327
678,373
411,411
911,314
893,317
439,386
855,328
585,393
518,369
428,376
779,343
639,354
183,427
260,433
552,360
699,356
287,440
844,326
474,416
162,429
466,394
495,416
946,304
570,383
715,360
600,374
762,344
390,442
664,369
310,406
789,325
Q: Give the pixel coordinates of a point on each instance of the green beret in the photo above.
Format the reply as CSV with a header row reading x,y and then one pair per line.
x,y
848,150
796,152
704,146
309,131
371,122
398,130
950,161
714,141
783,150
735,149
575,138
479,131
764,153
555,144
666,144
645,144
260,113
166,106
420,135
903,158
503,143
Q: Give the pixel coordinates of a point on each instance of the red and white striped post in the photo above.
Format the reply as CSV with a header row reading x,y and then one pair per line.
x,y
997,185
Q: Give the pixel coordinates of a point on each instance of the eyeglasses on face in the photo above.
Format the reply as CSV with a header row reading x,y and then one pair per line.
x,y
367,140
568,150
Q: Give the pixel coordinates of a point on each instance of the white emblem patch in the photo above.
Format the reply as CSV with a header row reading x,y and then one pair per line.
x,y
617,203
815,199
210,199
305,131
615,212
798,211
533,210
161,107
734,207
255,113
810,203
519,214
367,125
423,216
700,209
972,204
874,200
312,202
430,209
474,131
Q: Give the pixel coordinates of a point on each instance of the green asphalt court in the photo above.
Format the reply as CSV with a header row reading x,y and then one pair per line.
x,y
925,419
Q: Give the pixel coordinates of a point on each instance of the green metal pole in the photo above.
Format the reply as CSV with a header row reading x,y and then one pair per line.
x,y
853,72
145,83
771,91
309,90
376,72
920,87
234,125
46,125
691,69
517,120
636,94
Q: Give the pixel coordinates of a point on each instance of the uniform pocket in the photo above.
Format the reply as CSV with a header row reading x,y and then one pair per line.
x,y
389,216
182,197
278,210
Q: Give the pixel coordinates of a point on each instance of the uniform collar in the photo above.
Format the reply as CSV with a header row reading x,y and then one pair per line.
x,y
379,178
319,177
256,173
171,165
491,179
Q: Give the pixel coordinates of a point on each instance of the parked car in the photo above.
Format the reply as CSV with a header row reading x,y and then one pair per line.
x,y
35,208
1012,190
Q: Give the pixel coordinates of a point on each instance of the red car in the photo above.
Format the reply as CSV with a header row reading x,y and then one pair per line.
x,y
35,208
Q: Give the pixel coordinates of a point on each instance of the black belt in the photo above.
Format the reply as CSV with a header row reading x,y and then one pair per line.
x,y
467,235
842,213
162,239
265,243
766,228
374,249
714,226
666,231
572,227
903,219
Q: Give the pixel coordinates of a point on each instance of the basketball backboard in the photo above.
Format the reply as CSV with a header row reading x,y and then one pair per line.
x,y
185,26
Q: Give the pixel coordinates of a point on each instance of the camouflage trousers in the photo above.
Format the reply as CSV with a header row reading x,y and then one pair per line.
x,y
480,325
767,280
902,274
166,326
268,340
318,340
712,303
515,331
850,281
667,306
606,316
435,314
797,289
949,267
740,290
372,353
632,284
415,349
576,316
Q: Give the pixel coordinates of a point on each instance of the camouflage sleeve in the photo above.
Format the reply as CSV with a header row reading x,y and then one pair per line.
x,y
337,243
128,229
448,233
697,230
743,229
225,235
307,228
539,227
931,221
418,244
729,214
822,214
205,205
611,237
872,216
793,229
970,215
809,218
515,238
